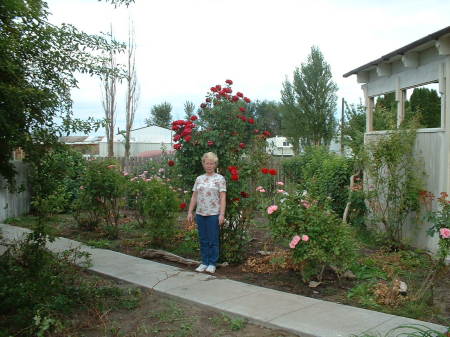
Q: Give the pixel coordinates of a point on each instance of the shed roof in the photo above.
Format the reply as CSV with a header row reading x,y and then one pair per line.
x,y
418,45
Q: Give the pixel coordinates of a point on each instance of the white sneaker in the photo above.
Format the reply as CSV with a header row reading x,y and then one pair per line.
x,y
211,269
201,268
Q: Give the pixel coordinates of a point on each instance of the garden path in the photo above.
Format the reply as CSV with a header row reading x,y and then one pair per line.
x,y
300,315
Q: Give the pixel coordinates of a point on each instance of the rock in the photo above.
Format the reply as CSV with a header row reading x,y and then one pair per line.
x,y
403,288
313,284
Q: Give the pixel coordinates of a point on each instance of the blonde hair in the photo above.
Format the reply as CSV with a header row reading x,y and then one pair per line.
x,y
210,155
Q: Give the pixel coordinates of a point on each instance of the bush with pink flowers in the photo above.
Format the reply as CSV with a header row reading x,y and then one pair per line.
x,y
440,225
316,235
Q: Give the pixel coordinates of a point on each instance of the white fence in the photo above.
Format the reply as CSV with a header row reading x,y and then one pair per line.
x,y
15,203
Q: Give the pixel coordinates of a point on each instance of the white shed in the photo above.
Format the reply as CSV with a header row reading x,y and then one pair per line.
x,y
149,138
419,63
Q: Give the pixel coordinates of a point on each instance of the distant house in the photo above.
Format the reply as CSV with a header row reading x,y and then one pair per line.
x,y
281,147
88,145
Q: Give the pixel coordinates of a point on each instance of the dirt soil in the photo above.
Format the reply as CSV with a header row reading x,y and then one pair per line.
x,y
160,316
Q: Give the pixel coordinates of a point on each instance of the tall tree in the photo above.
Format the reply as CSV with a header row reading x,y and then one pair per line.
x,y
268,116
189,108
310,102
109,92
38,63
132,95
160,115
426,104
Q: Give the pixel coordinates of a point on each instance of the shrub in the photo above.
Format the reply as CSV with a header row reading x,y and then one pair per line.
x,y
55,180
35,283
156,205
318,236
323,174
394,178
101,196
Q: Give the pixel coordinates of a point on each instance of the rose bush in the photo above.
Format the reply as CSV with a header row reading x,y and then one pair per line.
x,y
440,224
317,236
225,127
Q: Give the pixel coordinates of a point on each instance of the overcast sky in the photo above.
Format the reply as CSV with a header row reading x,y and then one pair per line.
x,y
186,46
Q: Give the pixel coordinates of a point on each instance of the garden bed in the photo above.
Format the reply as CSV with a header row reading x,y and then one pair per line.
x,y
375,270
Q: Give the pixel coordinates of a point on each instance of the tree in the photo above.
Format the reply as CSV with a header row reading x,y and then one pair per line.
x,y
426,104
268,116
189,108
354,127
310,102
160,115
109,91
38,62
132,90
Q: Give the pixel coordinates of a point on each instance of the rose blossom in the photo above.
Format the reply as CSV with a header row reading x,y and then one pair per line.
x,y
229,82
445,233
265,170
305,237
262,190
280,183
272,209
259,188
295,240
170,163
273,172
280,191
305,203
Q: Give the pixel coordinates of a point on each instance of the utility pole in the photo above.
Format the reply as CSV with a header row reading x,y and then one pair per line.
x,y
342,127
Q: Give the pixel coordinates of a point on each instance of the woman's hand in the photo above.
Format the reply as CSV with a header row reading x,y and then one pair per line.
x,y
190,218
221,219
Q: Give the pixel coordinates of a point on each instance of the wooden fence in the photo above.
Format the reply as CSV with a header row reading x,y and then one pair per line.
x,y
15,203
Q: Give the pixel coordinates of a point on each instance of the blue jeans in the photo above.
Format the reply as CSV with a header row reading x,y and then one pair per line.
x,y
208,232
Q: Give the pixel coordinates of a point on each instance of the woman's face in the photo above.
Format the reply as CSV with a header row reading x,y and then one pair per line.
x,y
209,165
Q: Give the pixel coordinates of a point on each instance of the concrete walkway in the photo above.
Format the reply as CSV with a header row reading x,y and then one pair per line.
x,y
300,315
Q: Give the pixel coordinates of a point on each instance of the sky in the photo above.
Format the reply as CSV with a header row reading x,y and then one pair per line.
x,y
183,47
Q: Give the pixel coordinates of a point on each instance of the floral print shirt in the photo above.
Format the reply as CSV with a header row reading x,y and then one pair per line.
x,y
208,193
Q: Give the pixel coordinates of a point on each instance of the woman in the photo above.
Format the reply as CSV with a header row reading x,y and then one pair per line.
x,y
208,197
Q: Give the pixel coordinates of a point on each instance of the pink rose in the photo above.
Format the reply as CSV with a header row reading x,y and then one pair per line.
x,y
280,191
445,233
305,237
295,240
81,187
262,190
272,209
305,204
280,183
259,188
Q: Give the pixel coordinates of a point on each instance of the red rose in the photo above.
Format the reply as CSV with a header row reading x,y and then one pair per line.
x,y
176,138
183,205
194,118
210,143
235,177
230,168
235,199
177,146
230,82
266,133
251,121
213,89
218,87
228,90
247,100
175,127
188,138
242,145
208,100
265,170
240,94
203,105
170,163
235,98
186,132
256,131
273,172
242,109
244,194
